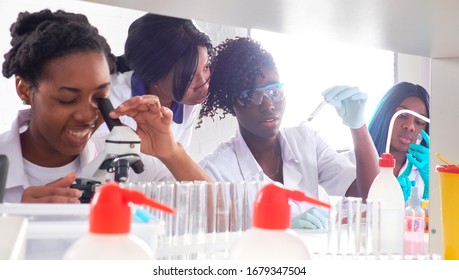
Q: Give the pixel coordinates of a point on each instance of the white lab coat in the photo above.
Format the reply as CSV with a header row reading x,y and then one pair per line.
x,y
17,180
308,161
121,91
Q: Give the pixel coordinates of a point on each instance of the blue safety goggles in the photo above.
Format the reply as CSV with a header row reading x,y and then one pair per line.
x,y
253,97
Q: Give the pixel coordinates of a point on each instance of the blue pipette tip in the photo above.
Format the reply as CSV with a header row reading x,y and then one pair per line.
x,y
142,216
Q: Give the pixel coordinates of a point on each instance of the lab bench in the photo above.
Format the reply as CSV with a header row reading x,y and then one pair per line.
x,y
48,230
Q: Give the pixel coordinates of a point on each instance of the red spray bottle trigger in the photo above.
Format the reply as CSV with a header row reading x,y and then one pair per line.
x,y
272,209
110,211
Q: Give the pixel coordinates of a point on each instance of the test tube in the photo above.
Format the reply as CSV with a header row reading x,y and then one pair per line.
x,y
317,110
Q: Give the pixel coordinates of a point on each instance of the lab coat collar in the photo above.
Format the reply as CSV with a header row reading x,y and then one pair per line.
x,y
287,154
12,149
405,166
292,175
251,170
87,155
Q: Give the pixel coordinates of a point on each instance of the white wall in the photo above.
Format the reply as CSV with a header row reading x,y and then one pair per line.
x,y
414,69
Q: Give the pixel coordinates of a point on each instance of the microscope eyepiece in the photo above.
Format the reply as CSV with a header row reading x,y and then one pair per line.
x,y
105,107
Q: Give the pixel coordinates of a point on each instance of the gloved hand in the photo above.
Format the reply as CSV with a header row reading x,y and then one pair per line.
x,y
314,218
405,182
349,103
419,156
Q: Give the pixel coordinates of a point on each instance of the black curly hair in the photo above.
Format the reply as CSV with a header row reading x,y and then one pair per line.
x,y
235,67
40,37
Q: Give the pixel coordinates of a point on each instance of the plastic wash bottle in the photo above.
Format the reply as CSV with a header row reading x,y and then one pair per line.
x,y
386,189
109,227
270,237
414,225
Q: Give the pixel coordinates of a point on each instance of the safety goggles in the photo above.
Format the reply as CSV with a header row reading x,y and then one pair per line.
x,y
253,97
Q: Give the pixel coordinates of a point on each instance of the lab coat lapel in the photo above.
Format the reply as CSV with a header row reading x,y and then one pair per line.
x,y
292,175
88,154
12,149
249,167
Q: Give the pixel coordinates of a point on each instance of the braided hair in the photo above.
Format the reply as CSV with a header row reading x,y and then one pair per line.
x,y
40,37
236,66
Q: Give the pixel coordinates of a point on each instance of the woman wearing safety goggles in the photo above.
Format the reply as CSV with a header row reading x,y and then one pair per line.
x,y
245,83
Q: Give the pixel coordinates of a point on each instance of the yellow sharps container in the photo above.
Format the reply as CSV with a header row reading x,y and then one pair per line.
x,y
449,189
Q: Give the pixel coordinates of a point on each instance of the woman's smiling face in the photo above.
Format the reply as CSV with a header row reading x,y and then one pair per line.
x,y
64,104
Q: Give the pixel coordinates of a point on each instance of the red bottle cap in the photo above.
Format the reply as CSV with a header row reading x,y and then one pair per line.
x,y
386,160
110,211
272,210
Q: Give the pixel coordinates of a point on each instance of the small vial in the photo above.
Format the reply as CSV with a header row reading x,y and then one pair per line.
x,y
414,225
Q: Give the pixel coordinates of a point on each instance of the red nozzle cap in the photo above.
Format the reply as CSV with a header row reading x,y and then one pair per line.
x,y
386,160
110,211
271,209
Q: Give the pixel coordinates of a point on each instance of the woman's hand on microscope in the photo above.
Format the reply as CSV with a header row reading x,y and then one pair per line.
x,y
153,124
58,191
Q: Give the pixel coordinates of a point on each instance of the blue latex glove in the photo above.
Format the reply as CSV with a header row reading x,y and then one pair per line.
x,y
405,182
314,218
419,156
349,103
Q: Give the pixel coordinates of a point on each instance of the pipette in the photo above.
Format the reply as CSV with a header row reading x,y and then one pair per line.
x,y
317,110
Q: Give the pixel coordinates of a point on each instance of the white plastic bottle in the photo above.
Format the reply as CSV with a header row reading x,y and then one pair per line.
x,y
109,226
414,225
270,238
386,189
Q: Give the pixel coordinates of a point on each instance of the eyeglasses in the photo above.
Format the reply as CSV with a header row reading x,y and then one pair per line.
x,y
253,97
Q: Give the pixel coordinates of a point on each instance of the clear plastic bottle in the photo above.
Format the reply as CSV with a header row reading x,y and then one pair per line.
x,y
270,238
414,225
109,226
386,189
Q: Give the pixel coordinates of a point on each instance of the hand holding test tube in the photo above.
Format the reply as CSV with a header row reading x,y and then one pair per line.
x,y
349,103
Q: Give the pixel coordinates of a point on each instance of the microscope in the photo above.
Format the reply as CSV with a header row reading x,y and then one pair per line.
x,y
122,151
